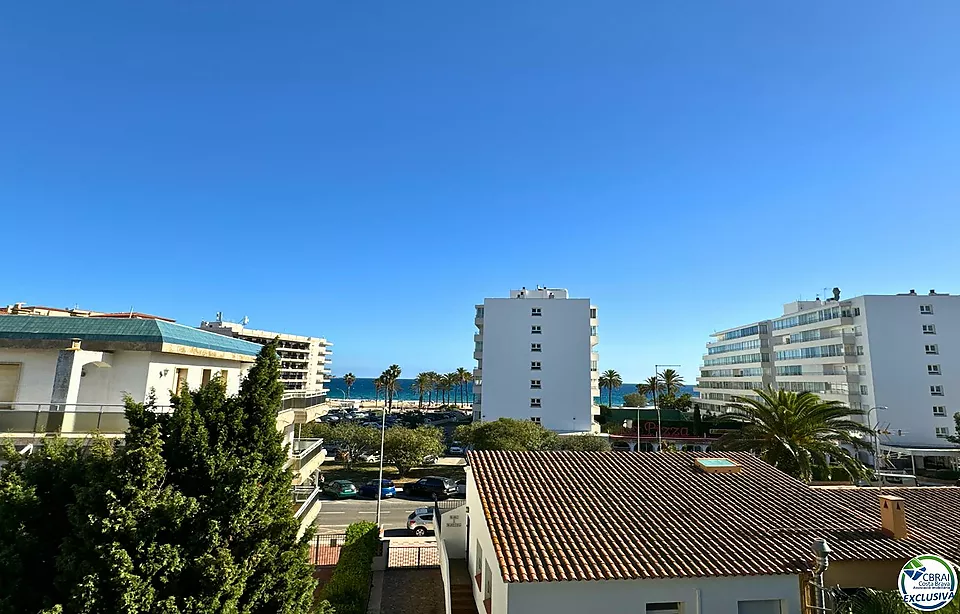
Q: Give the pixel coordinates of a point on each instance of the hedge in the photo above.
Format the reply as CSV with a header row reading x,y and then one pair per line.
x,y
349,585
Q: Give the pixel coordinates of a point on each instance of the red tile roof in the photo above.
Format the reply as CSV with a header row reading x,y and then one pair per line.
x,y
557,516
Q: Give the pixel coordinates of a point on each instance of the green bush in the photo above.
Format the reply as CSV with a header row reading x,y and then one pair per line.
x,y
349,586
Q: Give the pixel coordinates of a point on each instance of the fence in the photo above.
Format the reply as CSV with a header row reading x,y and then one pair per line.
x,y
325,549
413,557
444,505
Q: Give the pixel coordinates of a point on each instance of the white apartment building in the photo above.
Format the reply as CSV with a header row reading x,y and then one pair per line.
x,y
304,361
898,353
535,359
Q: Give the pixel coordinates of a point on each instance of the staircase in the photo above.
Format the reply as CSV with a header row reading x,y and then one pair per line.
x,y
461,599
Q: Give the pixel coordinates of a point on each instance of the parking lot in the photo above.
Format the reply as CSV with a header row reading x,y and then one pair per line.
x,y
335,516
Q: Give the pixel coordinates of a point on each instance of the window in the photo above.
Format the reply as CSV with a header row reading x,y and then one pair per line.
x,y
534,347
535,383
478,567
936,391
593,331
856,311
671,607
535,330
207,376
535,311
535,419
593,313
929,329
933,369
926,309
861,369
593,365
931,348
535,365
859,350
534,402
479,312
863,389
9,383
180,381
939,410
943,431
759,606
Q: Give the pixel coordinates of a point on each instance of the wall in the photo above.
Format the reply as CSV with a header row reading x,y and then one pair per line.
x,y
453,531
37,368
881,575
444,574
714,595
195,366
894,343
126,374
479,533
565,395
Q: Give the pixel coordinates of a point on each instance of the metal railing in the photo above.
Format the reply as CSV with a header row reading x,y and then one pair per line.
x,y
325,549
302,399
304,451
37,418
307,497
413,556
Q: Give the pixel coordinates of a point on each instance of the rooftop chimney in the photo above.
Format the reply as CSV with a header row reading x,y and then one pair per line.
x,y
933,292
893,517
913,292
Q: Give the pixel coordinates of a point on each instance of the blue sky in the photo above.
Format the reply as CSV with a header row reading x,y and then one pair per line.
x,y
368,171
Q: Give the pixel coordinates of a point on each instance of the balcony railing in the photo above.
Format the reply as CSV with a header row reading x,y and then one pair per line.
x,y
304,499
304,451
72,418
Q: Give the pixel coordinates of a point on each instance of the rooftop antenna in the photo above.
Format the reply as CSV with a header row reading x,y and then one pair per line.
x,y
219,316
244,320
131,312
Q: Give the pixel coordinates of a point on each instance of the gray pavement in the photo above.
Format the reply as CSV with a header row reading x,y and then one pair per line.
x,y
336,516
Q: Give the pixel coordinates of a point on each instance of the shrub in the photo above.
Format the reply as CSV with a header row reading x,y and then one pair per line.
x,y
349,585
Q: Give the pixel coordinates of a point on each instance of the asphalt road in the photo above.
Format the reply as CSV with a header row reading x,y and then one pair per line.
x,y
335,516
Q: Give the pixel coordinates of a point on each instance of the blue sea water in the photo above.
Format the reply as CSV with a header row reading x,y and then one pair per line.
x,y
363,388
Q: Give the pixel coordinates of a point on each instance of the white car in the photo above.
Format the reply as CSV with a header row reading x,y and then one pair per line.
x,y
369,457
420,521
456,448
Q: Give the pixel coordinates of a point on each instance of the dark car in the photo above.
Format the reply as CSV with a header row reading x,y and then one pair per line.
x,y
369,489
430,486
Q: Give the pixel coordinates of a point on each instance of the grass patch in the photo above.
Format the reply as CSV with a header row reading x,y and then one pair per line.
x,y
359,474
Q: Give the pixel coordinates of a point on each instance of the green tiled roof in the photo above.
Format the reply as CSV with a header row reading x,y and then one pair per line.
x,y
120,330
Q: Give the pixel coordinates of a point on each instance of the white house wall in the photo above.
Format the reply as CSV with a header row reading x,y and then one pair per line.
x,y
698,596
36,373
163,383
479,533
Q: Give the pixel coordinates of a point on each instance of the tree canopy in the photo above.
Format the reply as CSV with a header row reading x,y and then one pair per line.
x,y
795,432
520,435
406,448
191,513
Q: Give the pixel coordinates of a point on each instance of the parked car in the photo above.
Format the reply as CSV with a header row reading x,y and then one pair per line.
x,y
429,486
387,489
456,448
430,460
340,489
462,487
420,521
369,457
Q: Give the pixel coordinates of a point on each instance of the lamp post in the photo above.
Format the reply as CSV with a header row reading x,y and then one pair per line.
x,y
383,430
656,374
876,438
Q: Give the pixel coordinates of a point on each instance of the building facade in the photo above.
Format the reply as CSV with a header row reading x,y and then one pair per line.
x,y
893,356
304,361
536,360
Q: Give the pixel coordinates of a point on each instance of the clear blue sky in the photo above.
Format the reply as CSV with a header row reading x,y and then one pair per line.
x,y
368,171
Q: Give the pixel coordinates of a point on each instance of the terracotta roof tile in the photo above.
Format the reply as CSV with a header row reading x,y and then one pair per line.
x,y
560,516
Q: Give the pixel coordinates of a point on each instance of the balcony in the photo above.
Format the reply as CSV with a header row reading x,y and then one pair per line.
x,y
306,457
306,505
73,420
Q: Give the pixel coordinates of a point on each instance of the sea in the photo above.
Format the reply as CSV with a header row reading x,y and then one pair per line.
x,y
364,389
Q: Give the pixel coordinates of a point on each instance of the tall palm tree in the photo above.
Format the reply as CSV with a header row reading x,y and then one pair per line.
x,y
610,379
651,387
463,377
795,432
671,381
349,380
448,381
423,384
390,384
378,386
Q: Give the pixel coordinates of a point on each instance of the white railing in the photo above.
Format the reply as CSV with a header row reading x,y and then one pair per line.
x,y
34,418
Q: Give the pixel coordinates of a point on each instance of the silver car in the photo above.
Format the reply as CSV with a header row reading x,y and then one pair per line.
x,y
420,521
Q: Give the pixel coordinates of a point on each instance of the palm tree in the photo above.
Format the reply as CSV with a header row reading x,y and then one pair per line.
x,y
796,432
463,377
671,381
610,379
651,387
349,380
378,386
422,384
390,384
447,382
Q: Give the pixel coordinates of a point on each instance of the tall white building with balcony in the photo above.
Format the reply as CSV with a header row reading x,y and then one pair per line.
x,y
304,361
900,353
536,360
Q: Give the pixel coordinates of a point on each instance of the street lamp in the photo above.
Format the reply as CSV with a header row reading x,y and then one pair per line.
x,y
656,375
383,430
876,437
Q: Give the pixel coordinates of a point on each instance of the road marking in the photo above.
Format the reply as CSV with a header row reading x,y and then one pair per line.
x,y
381,513
333,512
